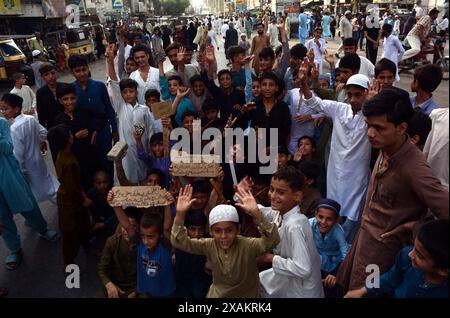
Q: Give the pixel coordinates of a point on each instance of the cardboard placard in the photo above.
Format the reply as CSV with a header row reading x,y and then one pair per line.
x,y
118,151
140,197
195,166
162,109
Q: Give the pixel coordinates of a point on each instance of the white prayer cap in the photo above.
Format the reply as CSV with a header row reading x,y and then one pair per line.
x,y
35,53
223,213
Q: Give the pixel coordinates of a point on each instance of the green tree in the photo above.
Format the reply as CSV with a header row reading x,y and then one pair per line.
x,y
174,7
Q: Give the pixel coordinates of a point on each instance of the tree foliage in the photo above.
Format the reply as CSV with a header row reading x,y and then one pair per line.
x,y
174,7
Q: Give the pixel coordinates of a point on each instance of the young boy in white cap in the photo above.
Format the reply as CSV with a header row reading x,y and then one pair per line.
x,y
244,43
350,147
232,257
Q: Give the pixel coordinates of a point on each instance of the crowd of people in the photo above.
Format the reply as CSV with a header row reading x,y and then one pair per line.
x,y
361,178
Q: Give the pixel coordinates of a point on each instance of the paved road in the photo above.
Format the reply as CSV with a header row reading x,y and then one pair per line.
x,y
41,273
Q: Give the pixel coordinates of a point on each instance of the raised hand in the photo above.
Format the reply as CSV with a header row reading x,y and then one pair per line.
x,y
169,198
311,55
182,92
185,200
209,54
374,89
110,53
329,57
247,59
230,122
181,54
314,72
299,154
248,203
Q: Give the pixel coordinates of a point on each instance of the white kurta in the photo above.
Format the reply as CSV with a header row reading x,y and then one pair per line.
x,y
295,271
135,169
366,67
28,96
348,168
393,50
273,35
436,146
319,51
27,135
151,83
297,108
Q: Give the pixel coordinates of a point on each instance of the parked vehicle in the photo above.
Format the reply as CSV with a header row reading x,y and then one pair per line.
x,y
13,60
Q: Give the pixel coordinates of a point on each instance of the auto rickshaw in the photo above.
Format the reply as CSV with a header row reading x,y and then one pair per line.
x,y
80,42
13,60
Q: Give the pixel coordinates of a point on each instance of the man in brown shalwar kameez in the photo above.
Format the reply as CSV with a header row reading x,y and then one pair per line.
x,y
401,192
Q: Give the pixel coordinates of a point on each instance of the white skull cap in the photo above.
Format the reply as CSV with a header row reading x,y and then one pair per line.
x,y
223,213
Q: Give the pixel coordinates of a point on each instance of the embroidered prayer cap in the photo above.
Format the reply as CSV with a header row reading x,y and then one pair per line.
x,y
329,204
223,213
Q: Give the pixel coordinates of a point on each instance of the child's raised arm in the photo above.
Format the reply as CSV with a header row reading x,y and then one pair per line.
x,y
121,216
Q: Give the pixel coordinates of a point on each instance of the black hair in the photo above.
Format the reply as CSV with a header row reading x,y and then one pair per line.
x,y
222,72
271,76
59,136
195,218
283,150
18,76
350,61
349,42
434,238
98,173
293,177
313,142
150,219
393,103
76,61
428,76
433,11
385,65
13,100
171,47
130,59
175,78
260,23
299,51
133,213
139,48
45,68
419,124
310,169
64,89
128,83
200,186
266,52
195,78
158,172
278,50
156,138
152,93
235,50
209,104
188,113
302,10
387,28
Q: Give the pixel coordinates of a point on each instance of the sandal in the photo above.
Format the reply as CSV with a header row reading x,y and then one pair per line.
x,y
50,235
13,260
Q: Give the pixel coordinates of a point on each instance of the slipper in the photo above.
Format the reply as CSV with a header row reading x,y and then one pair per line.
x,y
13,260
50,235
3,292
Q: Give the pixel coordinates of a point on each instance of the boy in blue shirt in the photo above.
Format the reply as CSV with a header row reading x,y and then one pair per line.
x,y
93,97
420,271
426,79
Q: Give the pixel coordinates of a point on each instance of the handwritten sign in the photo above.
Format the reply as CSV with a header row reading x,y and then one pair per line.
x,y
140,197
162,109
118,151
187,165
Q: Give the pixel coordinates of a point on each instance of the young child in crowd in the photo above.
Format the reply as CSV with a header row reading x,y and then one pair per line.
x,y
385,73
24,91
198,93
419,126
426,79
295,262
311,196
116,268
152,96
191,277
284,156
102,215
329,236
73,215
420,271
232,257
244,43
318,45
28,137
211,112
155,275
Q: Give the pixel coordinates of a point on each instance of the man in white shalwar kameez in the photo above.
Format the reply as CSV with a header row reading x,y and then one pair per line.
x,y
436,146
348,168
27,136
273,33
131,118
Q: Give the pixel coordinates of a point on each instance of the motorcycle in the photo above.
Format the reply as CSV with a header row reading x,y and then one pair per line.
x,y
439,57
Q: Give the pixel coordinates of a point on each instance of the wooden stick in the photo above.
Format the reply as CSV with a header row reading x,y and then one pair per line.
x,y
166,141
